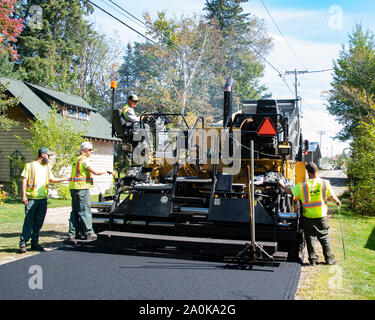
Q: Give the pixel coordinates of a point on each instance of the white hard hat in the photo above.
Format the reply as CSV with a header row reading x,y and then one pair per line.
x,y
86,145
133,97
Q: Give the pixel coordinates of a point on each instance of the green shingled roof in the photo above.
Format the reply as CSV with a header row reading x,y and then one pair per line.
x,y
62,98
99,127
25,96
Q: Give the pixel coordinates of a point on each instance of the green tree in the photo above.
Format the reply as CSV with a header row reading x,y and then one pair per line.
x,y
351,99
6,102
50,51
53,131
361,170
98,66
244,37
167,73
352,102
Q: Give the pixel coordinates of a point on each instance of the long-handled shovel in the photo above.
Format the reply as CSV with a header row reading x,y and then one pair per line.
x,y
342,233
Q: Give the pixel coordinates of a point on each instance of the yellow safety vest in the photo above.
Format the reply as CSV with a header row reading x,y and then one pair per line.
x,y
125,110
80,177
31,186
315,198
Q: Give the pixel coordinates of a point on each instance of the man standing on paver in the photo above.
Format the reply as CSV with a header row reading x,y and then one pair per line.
x,y
314,194
36,177
80,183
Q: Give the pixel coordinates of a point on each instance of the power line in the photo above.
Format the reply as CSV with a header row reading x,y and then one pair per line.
x,y
295,72
117,19
272,66
143,24
316,71
141,34
127,12
282,35
153,42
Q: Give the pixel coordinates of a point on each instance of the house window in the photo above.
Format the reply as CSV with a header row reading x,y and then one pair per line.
x,y
16,165
77,113
72,112
82,114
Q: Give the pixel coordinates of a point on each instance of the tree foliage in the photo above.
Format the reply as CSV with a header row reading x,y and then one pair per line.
x,y
53,131
351,98
352,101
244,39
185,68
6,102
361,170
10,29
50,52
169,74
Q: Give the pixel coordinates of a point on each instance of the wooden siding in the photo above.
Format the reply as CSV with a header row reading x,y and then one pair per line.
x,y
102,157
9,144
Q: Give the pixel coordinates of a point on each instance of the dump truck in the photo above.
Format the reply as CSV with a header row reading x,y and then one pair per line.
x,y
209,189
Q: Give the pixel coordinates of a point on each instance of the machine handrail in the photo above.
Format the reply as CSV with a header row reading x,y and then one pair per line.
x,y
163,114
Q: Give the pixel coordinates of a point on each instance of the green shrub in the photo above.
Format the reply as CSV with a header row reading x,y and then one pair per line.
x,y
361,170
3,196
63,192
15,188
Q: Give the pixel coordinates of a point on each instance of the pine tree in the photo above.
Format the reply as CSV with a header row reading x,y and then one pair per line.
x,y
50,52
244,38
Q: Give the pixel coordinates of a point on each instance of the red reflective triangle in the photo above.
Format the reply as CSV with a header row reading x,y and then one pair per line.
x,y
267,128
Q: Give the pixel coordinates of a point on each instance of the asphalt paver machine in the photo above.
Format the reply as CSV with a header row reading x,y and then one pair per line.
x,y
209,189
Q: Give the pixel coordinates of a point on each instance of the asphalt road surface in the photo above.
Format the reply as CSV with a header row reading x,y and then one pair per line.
x,y
69,274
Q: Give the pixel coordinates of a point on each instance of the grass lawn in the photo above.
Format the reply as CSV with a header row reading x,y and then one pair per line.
x,y
12,214
11,221
350,279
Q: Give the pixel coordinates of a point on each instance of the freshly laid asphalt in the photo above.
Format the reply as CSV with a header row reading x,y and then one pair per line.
x,y
71,274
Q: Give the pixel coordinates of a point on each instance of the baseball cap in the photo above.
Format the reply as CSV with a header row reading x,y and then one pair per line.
x,y
133,97
43,150
86,145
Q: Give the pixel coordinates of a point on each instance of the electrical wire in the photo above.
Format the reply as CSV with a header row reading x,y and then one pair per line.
x,y
123,23
282,35
273,67
144,36
153,42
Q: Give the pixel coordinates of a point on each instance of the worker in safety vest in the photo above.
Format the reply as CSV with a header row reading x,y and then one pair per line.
x,y
314,194
128,109
36,177
80,183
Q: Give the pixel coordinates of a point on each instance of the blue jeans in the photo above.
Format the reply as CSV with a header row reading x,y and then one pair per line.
x,y
35,212
80,216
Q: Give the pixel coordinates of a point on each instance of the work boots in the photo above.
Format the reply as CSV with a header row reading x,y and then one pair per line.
x,y
22,247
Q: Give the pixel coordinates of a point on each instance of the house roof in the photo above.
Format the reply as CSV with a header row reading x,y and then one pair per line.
x,y
62,98
313,146
35,106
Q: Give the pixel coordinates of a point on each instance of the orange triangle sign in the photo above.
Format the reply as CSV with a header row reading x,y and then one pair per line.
x,y
267,128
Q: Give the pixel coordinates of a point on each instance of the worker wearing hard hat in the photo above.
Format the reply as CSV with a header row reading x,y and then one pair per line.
x,y
36,177
128,109
80,183
314,194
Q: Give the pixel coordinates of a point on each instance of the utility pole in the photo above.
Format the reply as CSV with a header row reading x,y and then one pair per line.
x,y
321,134
295,72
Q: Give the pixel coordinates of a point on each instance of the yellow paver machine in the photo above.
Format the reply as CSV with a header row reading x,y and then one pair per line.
x,y
211,190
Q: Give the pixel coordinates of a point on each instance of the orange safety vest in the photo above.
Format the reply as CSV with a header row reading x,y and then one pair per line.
x,y
31,186
313,202
80,177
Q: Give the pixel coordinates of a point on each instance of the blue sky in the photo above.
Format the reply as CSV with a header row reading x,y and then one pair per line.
x,y
316,31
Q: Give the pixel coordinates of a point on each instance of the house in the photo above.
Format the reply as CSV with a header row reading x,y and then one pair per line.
x,y
36,101
314,154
